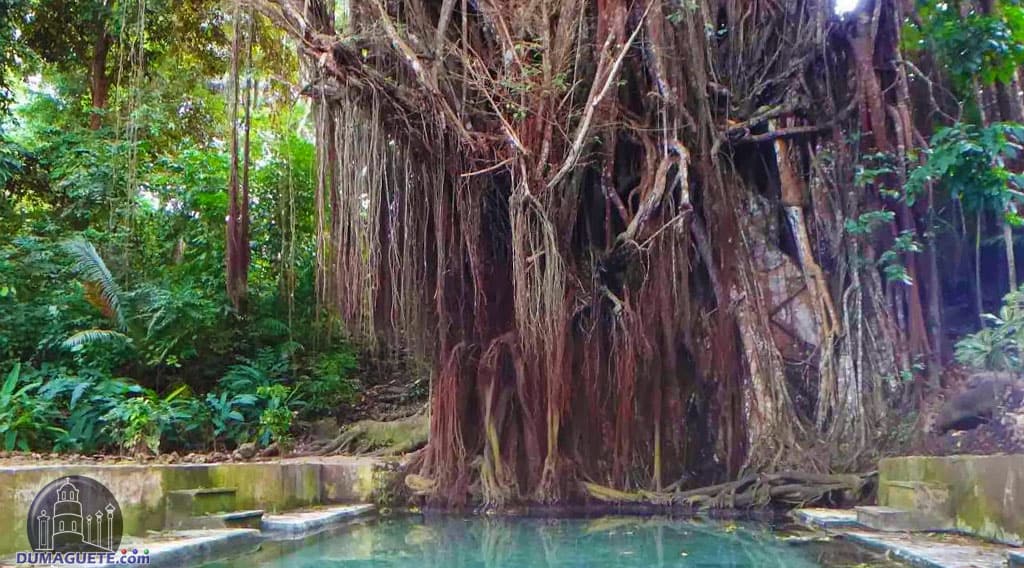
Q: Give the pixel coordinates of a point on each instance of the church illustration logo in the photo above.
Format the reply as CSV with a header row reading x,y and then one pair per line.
x,y
75,514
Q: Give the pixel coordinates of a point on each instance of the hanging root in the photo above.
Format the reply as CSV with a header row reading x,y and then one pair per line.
x,y
375,438
785,489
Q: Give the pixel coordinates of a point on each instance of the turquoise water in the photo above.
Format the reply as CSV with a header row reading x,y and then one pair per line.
x,y
417,542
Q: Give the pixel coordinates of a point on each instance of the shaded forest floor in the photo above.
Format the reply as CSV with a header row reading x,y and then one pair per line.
x,y
996,427
392,387
395,389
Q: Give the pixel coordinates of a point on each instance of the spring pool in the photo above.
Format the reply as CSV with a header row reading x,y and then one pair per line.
x,y
415,541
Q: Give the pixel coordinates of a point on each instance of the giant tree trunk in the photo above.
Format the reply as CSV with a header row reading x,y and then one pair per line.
x,y
573,209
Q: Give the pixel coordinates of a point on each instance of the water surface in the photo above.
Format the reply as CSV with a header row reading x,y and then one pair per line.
x,y
620,542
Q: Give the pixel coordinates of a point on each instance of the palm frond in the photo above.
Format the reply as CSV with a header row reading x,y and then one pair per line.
x,y
102,290
91,336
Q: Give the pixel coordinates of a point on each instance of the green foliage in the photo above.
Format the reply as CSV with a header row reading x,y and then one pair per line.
x,y
890,260
868,222
112,265
276,417
987,47
84,400
92,336
997,347
872,167
331,384
102,290
25,420
970,162
12,50
226,415
263,370
139,422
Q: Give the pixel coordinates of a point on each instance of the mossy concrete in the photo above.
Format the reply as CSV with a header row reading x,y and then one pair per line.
x,y
141,489
982,495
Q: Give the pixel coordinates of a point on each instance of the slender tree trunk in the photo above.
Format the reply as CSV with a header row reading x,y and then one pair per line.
x,y
99,81
934,287
1011,262
978,303
237,250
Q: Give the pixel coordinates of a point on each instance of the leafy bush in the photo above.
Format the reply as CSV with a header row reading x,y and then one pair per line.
x,y
226,415
989,47
266,368
138,424
26,421
331,383
277,415
997,347
83,401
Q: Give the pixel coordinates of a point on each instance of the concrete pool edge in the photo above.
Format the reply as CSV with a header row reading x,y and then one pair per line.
x,y
200,546
923,549
190,548
142,490
301,523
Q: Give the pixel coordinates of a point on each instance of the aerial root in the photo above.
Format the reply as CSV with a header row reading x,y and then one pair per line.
x,y
419,484
377,438
790,489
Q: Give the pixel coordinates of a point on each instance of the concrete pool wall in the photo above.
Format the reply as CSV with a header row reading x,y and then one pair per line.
x,y
141,490
979,495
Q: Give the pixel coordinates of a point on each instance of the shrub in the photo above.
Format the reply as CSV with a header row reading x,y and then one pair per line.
x,y
997,347
331,383
138,424
276,417
26,421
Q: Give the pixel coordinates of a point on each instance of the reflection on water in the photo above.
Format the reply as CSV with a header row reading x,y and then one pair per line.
x,y
416,542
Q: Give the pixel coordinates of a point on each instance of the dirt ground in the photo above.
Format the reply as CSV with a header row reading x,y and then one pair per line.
x,y
1000,431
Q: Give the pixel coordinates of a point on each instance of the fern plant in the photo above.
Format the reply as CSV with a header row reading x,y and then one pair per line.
x,y
266,368
84,399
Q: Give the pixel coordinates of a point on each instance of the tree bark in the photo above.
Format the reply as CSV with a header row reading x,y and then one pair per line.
x,y
99,81
1011,262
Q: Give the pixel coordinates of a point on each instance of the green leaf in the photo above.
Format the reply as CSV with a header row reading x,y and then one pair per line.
x,y
90,266
10,382
90,336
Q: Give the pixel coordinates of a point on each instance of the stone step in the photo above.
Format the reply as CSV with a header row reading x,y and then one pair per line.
x,y
198,502
232,520
890,519
925,497
306,521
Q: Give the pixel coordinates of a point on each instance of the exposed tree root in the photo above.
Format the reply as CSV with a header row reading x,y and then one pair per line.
x,y
376,438
786,489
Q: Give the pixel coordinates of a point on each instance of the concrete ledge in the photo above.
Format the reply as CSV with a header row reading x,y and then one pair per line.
x,y
982,495
927,552
190,548
826,518
308,521
281,485
233,520
895,520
